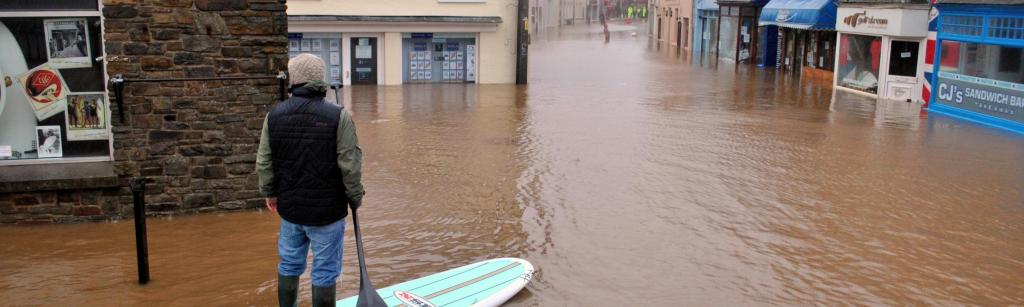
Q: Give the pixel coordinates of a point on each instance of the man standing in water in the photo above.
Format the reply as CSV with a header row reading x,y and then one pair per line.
x,y
309,165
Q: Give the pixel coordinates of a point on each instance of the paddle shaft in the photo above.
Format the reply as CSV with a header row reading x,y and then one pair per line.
x,y
367,294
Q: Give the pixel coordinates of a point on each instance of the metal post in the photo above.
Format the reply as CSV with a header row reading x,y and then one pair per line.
x,y
138,186
282,85
118,84
522,41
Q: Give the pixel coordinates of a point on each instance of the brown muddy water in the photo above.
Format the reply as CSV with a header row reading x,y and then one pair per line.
x,y
629,177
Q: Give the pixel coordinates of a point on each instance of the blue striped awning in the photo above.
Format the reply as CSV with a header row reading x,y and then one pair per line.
x,y
800,14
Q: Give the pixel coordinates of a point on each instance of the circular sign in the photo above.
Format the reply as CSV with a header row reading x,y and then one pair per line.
x,y
44,86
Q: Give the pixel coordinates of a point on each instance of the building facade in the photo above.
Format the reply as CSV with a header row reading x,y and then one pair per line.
x,y
978,72
408,41
68,148
738,32
705,29
800,37
673,20
882,48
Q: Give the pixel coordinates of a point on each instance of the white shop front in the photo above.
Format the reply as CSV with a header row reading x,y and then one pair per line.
x,y
881,51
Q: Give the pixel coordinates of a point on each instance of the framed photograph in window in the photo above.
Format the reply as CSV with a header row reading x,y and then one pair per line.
x,y
48,138
45,89
67,43
86,117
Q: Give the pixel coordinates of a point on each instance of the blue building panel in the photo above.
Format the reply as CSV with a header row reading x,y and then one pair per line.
x,y
966,93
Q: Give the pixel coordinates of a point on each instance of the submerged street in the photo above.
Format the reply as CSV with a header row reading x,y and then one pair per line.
x,y
628,176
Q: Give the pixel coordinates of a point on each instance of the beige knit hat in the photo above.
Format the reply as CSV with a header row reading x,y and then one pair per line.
x,y
306,67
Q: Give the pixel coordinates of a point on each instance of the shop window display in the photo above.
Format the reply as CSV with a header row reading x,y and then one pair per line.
x,y
859,57
985,61
52,91
327,48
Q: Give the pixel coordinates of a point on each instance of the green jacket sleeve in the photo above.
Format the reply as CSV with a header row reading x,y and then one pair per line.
x,y
350,158
264,165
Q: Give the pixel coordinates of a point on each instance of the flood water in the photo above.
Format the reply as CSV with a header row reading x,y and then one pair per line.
x,y
628,176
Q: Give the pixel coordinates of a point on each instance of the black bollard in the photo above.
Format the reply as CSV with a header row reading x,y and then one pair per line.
x,y
138,186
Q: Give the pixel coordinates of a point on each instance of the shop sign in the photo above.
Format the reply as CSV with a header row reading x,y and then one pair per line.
x,y
990,97
423,35
782,16
894,22
862,19
294,35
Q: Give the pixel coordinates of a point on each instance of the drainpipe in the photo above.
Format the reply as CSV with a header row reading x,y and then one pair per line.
x,y
522,41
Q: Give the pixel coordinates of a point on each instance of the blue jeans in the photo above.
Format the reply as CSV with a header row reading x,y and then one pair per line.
x,y
293,246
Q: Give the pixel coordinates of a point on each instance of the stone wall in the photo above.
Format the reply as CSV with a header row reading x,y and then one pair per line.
x,y
195,141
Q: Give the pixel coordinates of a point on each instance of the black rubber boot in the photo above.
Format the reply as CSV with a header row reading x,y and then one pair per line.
x,y
323,296
287,291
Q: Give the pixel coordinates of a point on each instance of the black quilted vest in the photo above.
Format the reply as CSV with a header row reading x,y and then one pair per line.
x,y
303,148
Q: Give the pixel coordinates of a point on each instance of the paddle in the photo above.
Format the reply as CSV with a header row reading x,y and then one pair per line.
x,y
368,296
336,86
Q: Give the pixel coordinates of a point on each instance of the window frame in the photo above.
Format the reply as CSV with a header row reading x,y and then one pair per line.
x,y
106,83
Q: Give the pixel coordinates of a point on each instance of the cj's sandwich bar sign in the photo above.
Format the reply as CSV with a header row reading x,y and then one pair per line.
x,y
999,99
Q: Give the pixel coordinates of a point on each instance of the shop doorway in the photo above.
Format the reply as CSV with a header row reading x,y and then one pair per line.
x,y
364,60
903,65
679,37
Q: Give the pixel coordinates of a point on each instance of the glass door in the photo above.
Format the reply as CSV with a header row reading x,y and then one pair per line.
x,y
364,60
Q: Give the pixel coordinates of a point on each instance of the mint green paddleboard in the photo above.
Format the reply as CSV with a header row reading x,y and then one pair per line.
x,y
485,283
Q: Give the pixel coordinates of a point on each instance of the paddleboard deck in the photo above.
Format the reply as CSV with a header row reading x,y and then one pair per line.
x,y
485,283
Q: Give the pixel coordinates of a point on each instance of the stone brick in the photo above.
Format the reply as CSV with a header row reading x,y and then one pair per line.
x,y
200,43
8,208
188,58
150,63
139,32
142,49
221,5
237,52
210,172
241,168
210,24
26,200
87,211
167,34
158,136
199,72
231,205
243,158
120,11
176,166
197,200
175,3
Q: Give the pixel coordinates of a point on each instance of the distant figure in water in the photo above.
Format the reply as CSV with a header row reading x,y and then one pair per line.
x,y
310,167
604,23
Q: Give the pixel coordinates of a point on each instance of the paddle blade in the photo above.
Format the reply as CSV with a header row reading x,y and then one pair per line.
x,y
368,297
